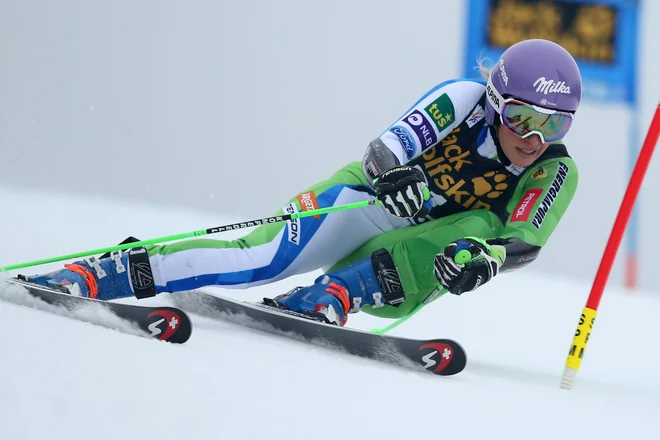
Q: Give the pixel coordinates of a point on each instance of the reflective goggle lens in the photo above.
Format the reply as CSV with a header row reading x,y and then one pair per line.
x,y
525,119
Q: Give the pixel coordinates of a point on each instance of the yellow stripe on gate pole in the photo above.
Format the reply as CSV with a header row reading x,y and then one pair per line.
x,y
579,345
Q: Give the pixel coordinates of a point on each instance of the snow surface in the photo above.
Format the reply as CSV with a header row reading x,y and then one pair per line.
x,y
66,379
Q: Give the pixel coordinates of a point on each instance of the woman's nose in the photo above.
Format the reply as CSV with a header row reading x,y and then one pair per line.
x,y
534,140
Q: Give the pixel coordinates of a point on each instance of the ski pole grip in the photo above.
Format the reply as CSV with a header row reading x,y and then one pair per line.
x,y
463,256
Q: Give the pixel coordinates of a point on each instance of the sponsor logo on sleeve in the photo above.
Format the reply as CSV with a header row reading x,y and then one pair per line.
x,y
294,225
524,208
422,128
539,173
372,167
550,196
405,139
308,202
441,111
476,116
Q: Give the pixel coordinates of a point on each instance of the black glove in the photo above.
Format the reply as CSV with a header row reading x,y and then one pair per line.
x,y
402,191
467,264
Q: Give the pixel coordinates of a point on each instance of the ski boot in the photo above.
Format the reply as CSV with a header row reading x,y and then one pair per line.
x,y
372,281
104,279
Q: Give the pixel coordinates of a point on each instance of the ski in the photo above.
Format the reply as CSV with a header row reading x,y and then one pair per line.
x,y
163,323
444,357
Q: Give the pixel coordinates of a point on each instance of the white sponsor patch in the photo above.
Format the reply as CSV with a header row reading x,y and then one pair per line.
x,y
476,116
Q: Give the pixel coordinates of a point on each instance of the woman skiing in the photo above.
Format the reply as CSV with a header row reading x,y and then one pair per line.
x,y
471,181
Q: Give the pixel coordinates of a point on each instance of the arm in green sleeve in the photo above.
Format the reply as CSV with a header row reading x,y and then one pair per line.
x,y
540,201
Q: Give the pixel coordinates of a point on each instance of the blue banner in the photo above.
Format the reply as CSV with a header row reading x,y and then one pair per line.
x,y
601,35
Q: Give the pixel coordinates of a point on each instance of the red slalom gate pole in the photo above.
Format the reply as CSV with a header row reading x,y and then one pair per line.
x,y
588,316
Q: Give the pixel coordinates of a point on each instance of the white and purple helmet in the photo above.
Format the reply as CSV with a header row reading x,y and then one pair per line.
x,y
538,72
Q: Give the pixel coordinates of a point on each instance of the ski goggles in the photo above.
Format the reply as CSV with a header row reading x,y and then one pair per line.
x,y
527,119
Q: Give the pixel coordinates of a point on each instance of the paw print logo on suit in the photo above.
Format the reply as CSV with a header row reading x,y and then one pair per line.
x,y
491,185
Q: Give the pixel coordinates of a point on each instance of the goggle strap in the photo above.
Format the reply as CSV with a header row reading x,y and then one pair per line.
x,y
493,96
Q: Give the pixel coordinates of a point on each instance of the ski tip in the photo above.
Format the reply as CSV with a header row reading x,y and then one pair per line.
x,y
169,324
444,357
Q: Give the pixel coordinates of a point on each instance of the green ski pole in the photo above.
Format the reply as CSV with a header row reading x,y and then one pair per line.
x,y
437,293
462,257
198,233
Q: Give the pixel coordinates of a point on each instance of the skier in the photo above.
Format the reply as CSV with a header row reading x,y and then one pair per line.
x,y
471,181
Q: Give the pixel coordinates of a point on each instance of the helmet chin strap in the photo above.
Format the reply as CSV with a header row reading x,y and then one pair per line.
x,y
504,160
